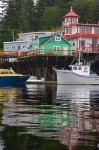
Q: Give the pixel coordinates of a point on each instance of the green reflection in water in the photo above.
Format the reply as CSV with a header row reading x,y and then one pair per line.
x,y
14,140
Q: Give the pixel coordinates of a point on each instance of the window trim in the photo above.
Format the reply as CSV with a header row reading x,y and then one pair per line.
x,y
55,48
58,38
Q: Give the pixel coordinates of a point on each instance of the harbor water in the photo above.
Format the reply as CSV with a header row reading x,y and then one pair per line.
x,y
49,117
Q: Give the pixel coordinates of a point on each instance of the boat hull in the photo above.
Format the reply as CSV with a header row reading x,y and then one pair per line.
x,y
13,80
33,79
69,77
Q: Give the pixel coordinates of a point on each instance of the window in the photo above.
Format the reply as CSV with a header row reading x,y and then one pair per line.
x,y
79,68
13,47
75,68
73,44
96,30
19,47
57,48
68,31
81,43
81,29
57,38
94,41
88,29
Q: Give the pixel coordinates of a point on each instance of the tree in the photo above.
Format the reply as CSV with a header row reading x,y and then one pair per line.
x,y
10,21
31,15
19,17
96,12
23,17
51,18
85,9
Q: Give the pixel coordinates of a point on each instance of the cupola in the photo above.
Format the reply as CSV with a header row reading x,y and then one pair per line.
x,y
71,18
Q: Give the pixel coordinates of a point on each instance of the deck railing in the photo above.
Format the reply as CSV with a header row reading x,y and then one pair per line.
x,y
39,52
8,54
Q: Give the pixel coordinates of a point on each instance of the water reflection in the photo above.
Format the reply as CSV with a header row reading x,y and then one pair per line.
x,y
80,98
64,117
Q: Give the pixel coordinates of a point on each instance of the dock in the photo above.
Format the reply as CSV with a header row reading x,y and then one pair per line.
x,y
41,65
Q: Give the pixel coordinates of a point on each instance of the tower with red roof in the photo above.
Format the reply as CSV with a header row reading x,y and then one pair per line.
x,y
71,18
83,36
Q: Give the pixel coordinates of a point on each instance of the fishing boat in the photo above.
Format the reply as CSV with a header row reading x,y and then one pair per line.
x,y
8,77
79,74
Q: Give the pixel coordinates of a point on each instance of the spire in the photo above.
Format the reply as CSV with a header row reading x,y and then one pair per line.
x,y
71,8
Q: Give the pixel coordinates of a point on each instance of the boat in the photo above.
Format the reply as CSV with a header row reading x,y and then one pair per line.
x,y
8,77
79,74
33,79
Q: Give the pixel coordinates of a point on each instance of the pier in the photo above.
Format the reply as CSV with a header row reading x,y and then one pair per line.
x,y
41,65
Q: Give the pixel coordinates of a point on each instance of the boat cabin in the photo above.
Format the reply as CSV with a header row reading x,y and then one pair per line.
x,y
81,69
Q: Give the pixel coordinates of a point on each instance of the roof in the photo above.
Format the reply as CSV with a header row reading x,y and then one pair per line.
x,y
47,39
89,25
71,13
81,35
50,37
15,42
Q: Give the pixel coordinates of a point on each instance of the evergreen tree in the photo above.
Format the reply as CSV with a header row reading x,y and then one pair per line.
x,y
23,15
51,18
40,8
64,5
96,12
85,9
19,17
42,4
10,21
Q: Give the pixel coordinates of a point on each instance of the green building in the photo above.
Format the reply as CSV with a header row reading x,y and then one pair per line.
x,y
54,45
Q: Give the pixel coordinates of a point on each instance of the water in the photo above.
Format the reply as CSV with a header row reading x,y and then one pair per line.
x,y
49,117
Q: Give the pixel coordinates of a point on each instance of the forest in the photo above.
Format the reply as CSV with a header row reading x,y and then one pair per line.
x,y
44,15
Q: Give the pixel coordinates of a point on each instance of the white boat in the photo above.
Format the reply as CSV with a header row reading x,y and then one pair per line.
x,y
33,79
79,74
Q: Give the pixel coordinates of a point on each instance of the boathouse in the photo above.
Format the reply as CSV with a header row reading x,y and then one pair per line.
x,y
83,36
54,44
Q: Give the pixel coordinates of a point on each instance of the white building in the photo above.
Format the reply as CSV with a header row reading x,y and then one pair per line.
x,y
31,36
83,36
16,46
24,42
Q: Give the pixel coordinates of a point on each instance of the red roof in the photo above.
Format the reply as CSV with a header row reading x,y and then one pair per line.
x,y
81,35
71,14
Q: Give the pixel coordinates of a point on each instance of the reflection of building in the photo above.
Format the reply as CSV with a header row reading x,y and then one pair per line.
x,y
68,119
8,94
82,36
79,98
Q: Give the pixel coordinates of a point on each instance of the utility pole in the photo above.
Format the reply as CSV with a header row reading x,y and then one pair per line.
x,y
13,34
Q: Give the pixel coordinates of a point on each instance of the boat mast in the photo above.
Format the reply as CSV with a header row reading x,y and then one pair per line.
x,y
79,57
79,51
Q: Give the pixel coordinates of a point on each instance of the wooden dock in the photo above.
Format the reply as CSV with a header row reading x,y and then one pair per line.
x,y
40,65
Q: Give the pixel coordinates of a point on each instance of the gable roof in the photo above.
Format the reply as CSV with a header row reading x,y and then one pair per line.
x,y
47,39
50,37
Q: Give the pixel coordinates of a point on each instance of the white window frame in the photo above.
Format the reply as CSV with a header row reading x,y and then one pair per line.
x,y
57,48
58,38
